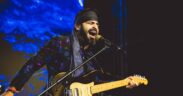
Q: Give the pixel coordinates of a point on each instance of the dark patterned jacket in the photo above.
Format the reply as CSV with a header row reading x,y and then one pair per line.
x,y
56,55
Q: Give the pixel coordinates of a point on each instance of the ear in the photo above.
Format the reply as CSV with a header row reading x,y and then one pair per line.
x,y
77,27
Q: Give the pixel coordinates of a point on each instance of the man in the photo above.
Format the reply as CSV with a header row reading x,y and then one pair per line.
x,y
63,53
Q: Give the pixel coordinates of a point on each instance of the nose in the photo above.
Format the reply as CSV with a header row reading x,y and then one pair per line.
x,y
95,26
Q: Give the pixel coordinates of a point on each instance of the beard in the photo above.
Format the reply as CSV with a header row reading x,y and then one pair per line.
x,y
83,38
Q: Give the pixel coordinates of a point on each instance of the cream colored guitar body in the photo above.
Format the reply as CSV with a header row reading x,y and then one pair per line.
x,y
79,89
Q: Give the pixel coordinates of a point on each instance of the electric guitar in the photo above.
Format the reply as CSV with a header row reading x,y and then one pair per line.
x,y
79,89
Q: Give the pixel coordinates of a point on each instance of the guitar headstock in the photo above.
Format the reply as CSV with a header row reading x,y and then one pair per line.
x,y
139,79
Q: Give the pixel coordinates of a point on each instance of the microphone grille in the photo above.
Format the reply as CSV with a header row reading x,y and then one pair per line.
x,y
98,37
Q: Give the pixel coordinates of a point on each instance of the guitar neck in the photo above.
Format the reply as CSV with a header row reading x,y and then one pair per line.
x,y
108,86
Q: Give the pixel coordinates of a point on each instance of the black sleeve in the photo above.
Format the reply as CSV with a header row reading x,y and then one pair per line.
x,y
33,64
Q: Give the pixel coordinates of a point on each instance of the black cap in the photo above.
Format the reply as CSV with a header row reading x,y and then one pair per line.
x,y
85,15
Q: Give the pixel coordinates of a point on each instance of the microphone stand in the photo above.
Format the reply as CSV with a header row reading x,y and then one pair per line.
x,y
69,73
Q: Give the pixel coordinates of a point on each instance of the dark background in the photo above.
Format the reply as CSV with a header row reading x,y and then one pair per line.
x,y
154,44
152,41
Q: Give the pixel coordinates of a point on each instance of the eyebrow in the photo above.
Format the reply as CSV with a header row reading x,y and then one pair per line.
x,y
92,21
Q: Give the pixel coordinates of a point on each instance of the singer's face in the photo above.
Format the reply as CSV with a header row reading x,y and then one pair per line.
x,y
88,31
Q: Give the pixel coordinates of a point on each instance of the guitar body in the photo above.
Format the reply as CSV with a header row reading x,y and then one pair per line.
x,y
79,89
58,90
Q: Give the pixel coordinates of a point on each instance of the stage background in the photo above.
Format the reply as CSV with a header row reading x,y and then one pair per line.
x,y
147,31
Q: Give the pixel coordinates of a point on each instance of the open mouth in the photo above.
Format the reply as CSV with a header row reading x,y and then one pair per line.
x,y
92,32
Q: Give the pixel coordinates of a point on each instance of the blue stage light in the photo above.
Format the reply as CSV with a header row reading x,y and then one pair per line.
x,y
28,24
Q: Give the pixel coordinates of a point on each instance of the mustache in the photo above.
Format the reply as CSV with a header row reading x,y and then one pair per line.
x,y
92,29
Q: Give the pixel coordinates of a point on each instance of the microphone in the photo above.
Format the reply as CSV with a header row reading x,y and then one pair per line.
x,y
107,42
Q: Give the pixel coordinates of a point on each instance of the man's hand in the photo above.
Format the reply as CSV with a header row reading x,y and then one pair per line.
x,y
8,93
131,83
